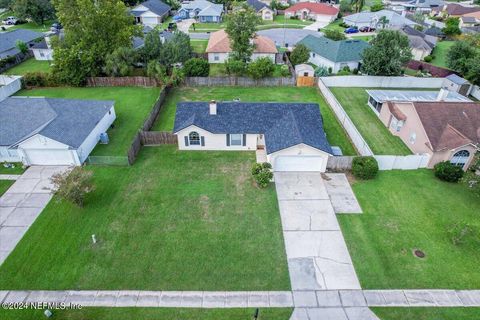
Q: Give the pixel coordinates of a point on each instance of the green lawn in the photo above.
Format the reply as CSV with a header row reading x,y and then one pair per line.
x,y
149,314
34,26
407,210
378,137
440,53
30,65
335,25
279,21
132,106
199,46
4,185
17,170
173,221
427,313
335,133
360,37
207,27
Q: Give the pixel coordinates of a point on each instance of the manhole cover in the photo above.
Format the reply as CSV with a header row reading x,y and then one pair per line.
x,y
419,253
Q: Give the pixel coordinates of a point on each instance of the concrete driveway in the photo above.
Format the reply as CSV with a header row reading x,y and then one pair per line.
x,y
184,25
316,25
318,257
22,204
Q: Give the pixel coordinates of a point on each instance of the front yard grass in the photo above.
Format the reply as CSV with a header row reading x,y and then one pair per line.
x,y
407,210
150,314
18,169
206,27
335,133
279,21
4,185
199,45
427,313
30,65
33,26
378,137
173,221
335,25
132,106
440,53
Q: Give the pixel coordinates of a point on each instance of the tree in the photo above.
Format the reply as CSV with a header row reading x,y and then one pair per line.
x,y
36,10
452,26
459,56
261,68
377,7
334,35
388,53
73,186
235,67
6,4
21,46
152,46
383,21
120,62
358,5
241,27
418,17
93,29
196,67
176,50
156,70
345,6
473,73
299,55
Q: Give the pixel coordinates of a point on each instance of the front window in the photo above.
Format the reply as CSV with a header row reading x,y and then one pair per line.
x,y
216,57
194,138
235,139
460,158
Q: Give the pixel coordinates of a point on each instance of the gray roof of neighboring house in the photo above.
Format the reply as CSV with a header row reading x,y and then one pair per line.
x,y
8,40
426,3
155,6
412,95
68,121
457,79
336,51
418,39
283,124
206,8
394,18
434,31
257,5
40,45
469,19
138,42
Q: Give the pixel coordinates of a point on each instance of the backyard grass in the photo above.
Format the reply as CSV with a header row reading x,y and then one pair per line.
x,y
4,185
30,65
199,46
132,106
378,137
18,169
408,210
149,314
173,221
335,133
427,313
440,53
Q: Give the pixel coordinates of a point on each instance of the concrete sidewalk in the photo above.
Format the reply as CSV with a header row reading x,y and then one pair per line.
x,y
22,204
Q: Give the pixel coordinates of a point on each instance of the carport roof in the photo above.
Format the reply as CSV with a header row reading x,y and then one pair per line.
x,y
283,124
67,121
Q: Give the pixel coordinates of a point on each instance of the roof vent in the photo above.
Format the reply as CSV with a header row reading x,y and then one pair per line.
x,y
213,107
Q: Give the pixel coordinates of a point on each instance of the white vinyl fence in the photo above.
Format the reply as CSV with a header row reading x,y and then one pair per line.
x,y
382,82
410,162
9,85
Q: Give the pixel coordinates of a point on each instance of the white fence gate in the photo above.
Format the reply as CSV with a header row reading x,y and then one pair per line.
x,y
409,162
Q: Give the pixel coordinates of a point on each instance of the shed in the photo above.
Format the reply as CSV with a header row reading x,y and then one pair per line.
x,y
304,70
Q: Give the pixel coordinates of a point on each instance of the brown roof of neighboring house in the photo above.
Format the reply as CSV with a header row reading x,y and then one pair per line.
x,y
397,113
318,8
455,9
219,42
449,125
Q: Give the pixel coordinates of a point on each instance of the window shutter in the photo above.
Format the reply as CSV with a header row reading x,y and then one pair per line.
x,y
186,141
244,140
202,141
228,140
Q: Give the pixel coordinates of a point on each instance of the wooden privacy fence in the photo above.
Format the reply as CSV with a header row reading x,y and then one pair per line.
x,y
121,82
339,163
148,123
158,137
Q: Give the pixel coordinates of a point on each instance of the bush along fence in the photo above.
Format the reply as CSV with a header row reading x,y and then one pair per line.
x,y
435,71
239,81
385,162
122,82
12,61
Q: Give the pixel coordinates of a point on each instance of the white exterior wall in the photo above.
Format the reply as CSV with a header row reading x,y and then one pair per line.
x,y
9,155
336,66
91,141
43,54
222,57
214,141
419,54
299,150
44,144
9,85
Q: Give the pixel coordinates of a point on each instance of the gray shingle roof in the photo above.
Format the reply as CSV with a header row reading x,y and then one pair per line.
x,y
394,19
257,5
8,40
336,51
456,79
283,124
68,121
156,6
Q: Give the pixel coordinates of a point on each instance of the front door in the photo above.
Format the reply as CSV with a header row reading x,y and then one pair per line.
x,y
260,141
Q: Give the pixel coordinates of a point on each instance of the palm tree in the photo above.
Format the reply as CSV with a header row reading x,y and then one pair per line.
x,y
383,21
357,5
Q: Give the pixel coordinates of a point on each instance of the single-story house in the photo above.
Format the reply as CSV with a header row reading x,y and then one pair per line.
x,y
218,47
422,44
335,54
138,42
373,19
447,131
262,9
202,10
424,6
151,12
47,131
435,32
468,21
291,134
8,41
304,70
377,98
458,84
454,10
313,11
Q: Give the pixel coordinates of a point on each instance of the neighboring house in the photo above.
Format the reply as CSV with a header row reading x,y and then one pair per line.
x,y
424,6
263,10
313,11
447,131
454,10
202,10
467,21
374,19
422,44
46,131
435,32
335,54
291,134
42,50
138,42
218,47
8,41
151,12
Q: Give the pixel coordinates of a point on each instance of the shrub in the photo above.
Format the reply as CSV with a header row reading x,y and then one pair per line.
x,y
321,71
299,55
447,171
261,68
364,167
156,70
40,79
355,71
235,67
377,7
73,186
462,232
428,59
284,71
262,174
120,62
196,67
334,34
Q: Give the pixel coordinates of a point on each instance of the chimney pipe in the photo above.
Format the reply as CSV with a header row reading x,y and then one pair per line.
x,y
442,94
213,107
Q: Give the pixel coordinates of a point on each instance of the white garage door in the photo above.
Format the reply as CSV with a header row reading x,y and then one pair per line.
x,y
49,157
298,163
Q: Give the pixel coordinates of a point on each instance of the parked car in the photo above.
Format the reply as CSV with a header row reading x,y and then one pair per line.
x,y
56,27
10,21
351,30
366,29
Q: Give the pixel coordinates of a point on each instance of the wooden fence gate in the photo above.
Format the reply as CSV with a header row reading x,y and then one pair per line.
x,y
303,81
